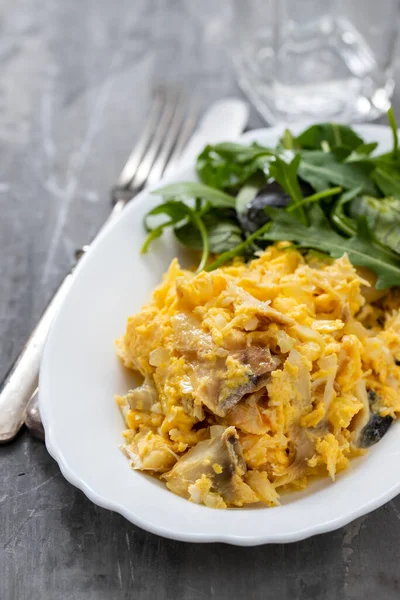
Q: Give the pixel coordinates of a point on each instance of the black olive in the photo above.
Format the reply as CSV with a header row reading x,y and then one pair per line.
x,y
397,361
270,195
374,430
376,427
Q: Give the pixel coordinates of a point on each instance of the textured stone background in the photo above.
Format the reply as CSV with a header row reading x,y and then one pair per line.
x,y
75,79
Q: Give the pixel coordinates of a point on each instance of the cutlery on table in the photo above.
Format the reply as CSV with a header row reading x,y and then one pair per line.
x,y
162,145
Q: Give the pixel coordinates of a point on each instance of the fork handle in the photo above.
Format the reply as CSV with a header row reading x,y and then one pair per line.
x,y
22,380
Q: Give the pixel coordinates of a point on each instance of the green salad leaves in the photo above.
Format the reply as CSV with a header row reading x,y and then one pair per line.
x,y
326,190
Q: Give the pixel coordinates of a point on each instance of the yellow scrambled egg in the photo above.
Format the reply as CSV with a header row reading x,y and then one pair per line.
x,y
259,376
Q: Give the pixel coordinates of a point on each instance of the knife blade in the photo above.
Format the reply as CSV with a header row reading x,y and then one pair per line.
x,y
224,121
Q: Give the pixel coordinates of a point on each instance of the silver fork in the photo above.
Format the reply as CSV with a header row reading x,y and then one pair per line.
x,y
170,122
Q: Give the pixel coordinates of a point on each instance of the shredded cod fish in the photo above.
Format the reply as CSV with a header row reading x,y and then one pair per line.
x,y
258,377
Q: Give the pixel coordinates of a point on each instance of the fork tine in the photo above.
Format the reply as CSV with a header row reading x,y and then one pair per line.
x,y
137,153
184,135
170,141
171,100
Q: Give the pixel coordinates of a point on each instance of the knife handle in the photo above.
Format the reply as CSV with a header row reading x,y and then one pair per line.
x,y
22,380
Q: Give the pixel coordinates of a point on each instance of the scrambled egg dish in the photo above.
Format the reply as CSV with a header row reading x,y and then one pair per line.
x,y
259,376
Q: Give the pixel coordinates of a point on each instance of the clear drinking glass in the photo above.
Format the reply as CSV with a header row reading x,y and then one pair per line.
x,y
317,59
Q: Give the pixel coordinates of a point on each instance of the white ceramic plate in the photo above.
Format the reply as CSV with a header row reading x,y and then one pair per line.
x,y
80,375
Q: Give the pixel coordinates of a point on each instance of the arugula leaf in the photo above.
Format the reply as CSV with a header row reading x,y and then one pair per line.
x,y
178,212
383,218
388,180
393,126
386,160
186,190
320,236
341,153
288,141
321,169
328,193
224,233
360,155
154,234
240,153
286,175
229,166
241,249
342,221
364,149
332,133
